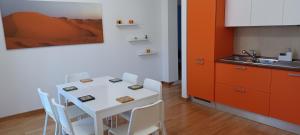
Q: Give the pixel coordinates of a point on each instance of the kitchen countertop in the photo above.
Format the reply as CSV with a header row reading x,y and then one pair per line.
x,y
283,65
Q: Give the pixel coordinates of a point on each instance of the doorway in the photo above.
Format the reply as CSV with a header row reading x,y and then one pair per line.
x,y
179,39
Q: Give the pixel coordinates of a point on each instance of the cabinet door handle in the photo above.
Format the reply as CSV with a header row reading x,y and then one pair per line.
x,y
294,75
200,61
243,91
240,90
240,67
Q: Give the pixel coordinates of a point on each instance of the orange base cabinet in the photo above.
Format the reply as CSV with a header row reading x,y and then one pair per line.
x,y
285,96
250,77
243,98
243,87
207,40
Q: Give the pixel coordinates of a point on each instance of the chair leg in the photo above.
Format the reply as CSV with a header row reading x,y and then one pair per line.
x,y
164,131
56,128
111,121
116,121
109,133
63,132
66,102
156,133
45,125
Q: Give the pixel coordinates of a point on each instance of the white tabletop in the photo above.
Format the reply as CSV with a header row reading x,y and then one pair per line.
x,y
105,94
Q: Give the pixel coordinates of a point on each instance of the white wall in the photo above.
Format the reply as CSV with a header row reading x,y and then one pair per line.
x,y
169,40
23,71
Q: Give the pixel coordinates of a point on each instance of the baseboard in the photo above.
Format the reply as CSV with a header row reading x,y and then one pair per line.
x,y
22,115
186,99
203,102
290,127
177,82
261,119
166,83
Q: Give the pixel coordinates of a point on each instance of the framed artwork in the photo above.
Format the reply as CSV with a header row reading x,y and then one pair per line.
x,y
29,24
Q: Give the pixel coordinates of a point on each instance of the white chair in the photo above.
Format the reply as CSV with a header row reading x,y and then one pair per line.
x,y
144,121
72,111
81,127
131,78
77,77
148,84
153,85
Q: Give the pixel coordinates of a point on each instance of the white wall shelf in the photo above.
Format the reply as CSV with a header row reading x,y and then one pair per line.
x,y
124,25
145,53
138,38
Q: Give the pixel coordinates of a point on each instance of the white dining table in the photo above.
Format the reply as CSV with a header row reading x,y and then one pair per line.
x,y
105,103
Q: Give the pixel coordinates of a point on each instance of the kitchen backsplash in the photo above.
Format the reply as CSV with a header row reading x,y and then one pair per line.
x,y
268,41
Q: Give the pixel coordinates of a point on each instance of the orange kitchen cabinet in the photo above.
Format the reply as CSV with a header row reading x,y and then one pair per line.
x,y
228,95
207,40
246,76
285,96
201,80
243,98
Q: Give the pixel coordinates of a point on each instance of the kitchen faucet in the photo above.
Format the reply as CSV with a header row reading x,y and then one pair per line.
x,y
252,54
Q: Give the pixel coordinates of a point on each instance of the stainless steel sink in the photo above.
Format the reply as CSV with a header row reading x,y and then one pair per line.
x,y
239,59
250,60
265,61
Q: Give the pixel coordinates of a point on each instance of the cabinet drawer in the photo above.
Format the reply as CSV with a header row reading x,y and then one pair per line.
x,y
246,99
285,96
246,76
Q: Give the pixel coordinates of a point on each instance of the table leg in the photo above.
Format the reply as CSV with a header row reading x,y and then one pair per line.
x,y
98,122
61,99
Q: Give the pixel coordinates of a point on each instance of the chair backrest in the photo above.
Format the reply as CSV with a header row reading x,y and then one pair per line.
x,y
129,77
76,77
153,85
63,118
145,117
47,104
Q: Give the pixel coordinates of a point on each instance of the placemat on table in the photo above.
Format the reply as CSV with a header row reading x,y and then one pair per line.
x,y
115,80
86,80
135,87
71,88
86,98
125,99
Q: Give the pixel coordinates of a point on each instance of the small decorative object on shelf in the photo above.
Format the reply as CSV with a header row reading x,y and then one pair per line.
x,y
131,21
119,21
146,52
138,38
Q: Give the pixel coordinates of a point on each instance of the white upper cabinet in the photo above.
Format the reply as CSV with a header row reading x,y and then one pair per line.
x,y
238,13
267,12
291,12
262,12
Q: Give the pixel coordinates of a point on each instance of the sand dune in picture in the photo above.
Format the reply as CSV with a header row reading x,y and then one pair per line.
x,y
31,29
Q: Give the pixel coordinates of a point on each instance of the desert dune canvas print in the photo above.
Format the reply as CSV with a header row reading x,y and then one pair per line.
x,y
30,24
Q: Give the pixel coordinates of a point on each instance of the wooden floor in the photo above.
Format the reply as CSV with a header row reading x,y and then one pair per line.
x,y
182,118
